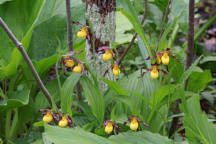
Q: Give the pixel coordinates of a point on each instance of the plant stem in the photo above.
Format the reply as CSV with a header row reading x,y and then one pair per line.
x,y
190,53
28,61
14,123
163,22
135,35
7,125
69,26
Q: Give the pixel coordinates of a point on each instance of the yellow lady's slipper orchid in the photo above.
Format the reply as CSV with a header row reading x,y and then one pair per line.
x,y
82,33
165,58
109,128
63,122
116,70
154,72
48,117
107,55
69,62
134,124
77,69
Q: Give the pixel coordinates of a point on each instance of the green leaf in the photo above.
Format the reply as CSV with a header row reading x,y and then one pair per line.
x,y
38,141
26,13
59,135
41,101
188,72
16,99
52,28
122,25
199,80
132,16
180,8
114,85
67,93
94,97
141,137
160,94
198,129
208,59
3,1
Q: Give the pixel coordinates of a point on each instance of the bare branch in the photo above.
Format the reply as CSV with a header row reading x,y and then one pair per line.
x,y
69,26
28,61
190,54
190,49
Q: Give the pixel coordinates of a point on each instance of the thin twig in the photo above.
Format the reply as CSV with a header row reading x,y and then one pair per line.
x,y
163,22
135,35
28,61
69,26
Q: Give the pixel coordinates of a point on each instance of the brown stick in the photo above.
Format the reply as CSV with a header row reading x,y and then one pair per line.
x,y
190,49
28,61
163,22
69,26
135,35
190,54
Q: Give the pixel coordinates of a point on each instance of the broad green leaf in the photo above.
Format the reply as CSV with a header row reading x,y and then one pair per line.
x,y
67,93
42,67
180,8
94,97
114,85
16,99
162,4
3,1
198,129
41,101
160,94
59,135
20,16
122,25
141,137
52,28
176,69
199,80
129,11
39,141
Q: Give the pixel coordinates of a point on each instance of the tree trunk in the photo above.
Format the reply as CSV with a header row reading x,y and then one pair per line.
x,y
100,15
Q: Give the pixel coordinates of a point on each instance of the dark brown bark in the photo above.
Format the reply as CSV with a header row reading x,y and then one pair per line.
x,y
69,26
189,60
190,49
